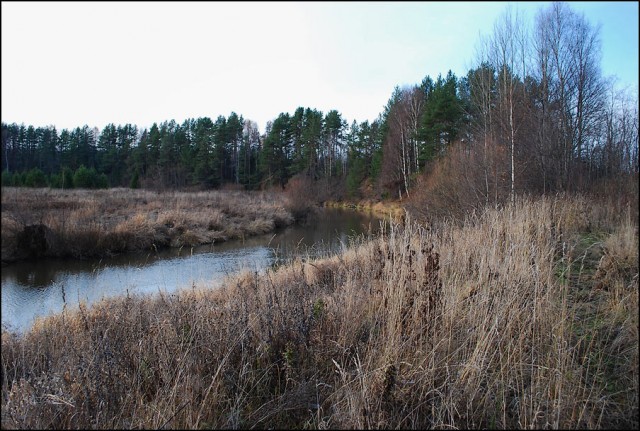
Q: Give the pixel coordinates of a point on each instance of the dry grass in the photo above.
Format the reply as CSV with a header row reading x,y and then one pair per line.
x,y
84,223
508,321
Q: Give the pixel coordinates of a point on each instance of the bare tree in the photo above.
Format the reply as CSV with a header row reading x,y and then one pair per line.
x,y
507,49
481,92
401,144
568,58
588,92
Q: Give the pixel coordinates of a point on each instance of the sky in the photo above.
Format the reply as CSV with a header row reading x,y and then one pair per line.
x,y
70,64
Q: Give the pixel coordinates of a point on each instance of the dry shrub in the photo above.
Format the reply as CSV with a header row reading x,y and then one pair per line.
x,y
173,219
280,216
457,184
9,234
260,226
620,254
215,220
135,233
139,224
301,194
617,276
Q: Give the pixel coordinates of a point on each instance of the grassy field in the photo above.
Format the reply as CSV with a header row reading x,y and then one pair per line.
x,y
524,317
95,223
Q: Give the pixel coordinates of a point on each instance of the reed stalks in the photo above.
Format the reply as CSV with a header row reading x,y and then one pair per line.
x,y
94,223
521,317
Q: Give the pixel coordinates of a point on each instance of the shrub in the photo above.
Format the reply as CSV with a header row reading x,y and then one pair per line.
x,y
6,178
301,195
67,178
18,179
89,179
135,181
55,181
35,178
102,182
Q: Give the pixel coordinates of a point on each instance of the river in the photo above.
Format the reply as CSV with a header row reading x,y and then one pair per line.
x,y
44,287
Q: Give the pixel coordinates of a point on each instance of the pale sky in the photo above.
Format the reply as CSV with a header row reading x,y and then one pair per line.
x,y
71,64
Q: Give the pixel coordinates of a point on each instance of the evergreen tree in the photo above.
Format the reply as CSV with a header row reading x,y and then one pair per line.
x,y
47,151
311,142
234,128
221,157
205,167
67,158
108,155
298,162
276,154
167,155
249,174
155,139
333,132
140,154
442,116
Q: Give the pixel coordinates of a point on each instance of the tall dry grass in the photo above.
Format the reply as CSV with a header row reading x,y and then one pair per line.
x,y
525,317
90,223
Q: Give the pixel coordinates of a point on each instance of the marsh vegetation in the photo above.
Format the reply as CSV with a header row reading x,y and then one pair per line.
x,y
84,223
521,317
503,295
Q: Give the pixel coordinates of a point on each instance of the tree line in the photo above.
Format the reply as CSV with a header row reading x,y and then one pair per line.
x,y
534,115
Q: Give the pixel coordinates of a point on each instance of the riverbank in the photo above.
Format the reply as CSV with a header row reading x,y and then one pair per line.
x,y
95,223
525,317
388,210
37,289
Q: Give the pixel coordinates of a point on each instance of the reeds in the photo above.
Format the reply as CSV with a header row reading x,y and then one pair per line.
x,y
93,223
508,321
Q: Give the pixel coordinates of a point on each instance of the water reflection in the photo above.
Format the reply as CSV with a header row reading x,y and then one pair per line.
x,y
38,288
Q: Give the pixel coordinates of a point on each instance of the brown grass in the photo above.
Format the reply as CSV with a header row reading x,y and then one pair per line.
x,y
525,317
84,223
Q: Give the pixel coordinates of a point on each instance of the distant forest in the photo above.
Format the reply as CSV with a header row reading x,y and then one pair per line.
x,y
535,115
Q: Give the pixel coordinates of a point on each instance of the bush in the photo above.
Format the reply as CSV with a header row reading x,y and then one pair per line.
x,y
456,184
67,178
135,181
301,196
35,178
18,179
63,180
55,181
85,178
82,178
102,182
6,178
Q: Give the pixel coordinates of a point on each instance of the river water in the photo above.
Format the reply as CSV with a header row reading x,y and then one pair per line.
x,y
34,289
